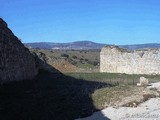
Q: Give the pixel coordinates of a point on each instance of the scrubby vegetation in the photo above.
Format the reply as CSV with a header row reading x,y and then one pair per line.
x,y
83,60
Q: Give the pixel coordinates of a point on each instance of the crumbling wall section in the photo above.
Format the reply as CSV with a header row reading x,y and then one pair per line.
x,y
118,60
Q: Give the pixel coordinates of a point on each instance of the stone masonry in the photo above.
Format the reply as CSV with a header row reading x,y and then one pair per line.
x,y
16,62
118,60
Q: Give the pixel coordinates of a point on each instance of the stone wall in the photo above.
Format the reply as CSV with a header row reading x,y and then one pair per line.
x,y
16,62
118,60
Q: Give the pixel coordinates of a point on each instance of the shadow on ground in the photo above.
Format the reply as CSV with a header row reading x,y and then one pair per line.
x,y
50,96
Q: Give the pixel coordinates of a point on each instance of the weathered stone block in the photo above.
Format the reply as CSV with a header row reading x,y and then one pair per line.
x,y
143,81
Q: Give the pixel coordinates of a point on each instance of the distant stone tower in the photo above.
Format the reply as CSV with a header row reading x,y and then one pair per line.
x,y
118,60
16,62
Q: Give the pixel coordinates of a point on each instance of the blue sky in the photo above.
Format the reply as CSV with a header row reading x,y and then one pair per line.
x,y
104,21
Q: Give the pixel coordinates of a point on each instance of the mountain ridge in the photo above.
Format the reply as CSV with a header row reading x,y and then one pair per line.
x,y
84,45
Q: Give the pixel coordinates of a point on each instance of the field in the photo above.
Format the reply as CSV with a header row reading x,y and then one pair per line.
x,y
58,96
114,78
68,95
71,60
123,85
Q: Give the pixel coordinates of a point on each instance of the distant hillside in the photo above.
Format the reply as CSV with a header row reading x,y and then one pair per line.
x,y
78,45
84,45
141,46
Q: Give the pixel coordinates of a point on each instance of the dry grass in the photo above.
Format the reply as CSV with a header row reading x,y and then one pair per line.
x,y
105,97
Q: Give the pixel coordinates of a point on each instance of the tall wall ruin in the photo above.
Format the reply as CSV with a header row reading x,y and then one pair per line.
x,y
16,62
118,60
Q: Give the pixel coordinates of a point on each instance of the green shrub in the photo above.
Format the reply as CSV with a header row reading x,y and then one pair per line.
x,y
74,57
65,55
93,62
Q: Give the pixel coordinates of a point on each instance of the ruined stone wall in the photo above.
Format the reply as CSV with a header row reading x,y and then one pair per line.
x,y
16,62
118,60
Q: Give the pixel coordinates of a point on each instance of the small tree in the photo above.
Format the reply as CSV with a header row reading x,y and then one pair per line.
x,y
65,55
74,57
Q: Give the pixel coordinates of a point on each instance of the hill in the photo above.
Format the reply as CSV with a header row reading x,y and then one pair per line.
x,y
85,45
78,45
141,46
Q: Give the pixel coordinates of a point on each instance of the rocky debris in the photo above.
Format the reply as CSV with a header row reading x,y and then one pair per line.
x,y
143,82
16,62
148,110
119,60
142,106
139,95
154,86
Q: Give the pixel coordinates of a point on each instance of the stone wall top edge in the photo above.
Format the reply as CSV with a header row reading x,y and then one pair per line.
x,y
124,50
3,23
